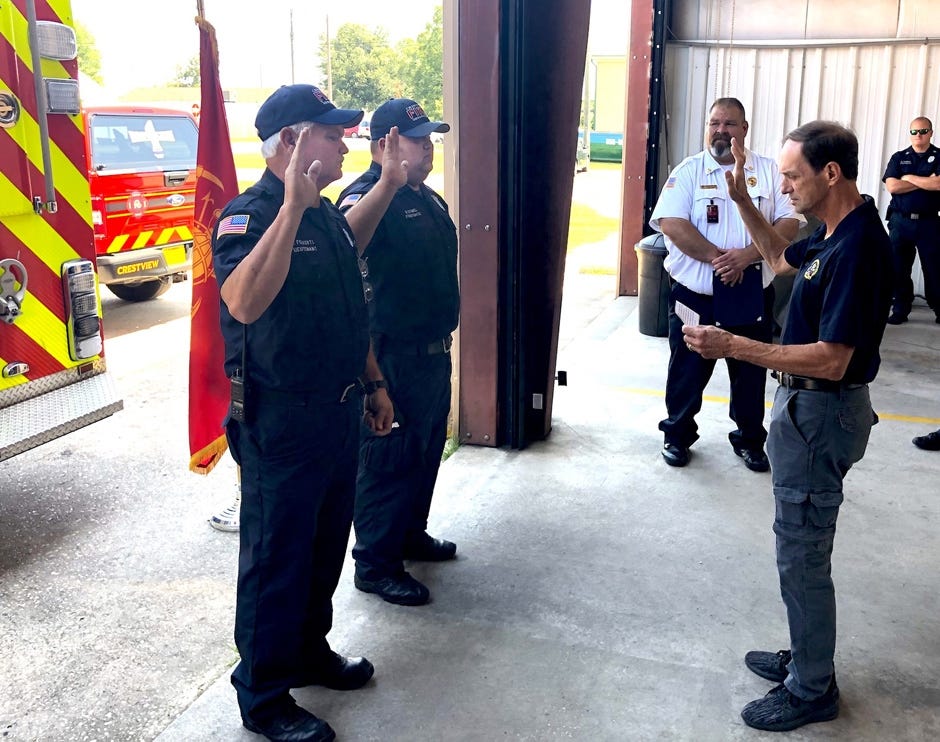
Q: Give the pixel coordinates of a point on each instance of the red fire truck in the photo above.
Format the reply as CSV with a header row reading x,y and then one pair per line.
x,y
53,377
142,172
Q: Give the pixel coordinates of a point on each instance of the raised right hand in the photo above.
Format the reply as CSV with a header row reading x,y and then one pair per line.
x,y
301,188
737,184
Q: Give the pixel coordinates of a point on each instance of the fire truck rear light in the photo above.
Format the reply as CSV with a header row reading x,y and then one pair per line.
x,y
84,304
96,218
56,41
87,326
62,97
81,283
81,305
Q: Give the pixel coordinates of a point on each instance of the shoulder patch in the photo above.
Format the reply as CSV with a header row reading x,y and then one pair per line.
x,y
235,224
349,200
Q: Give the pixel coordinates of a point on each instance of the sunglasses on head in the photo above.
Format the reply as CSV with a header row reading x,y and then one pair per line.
x,y
914,132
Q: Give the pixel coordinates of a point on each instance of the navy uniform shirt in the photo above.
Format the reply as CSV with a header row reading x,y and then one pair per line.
x,y
842,291
412,263
909,162
314,336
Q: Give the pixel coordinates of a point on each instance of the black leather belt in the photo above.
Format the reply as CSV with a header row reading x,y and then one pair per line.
x,y
792,381
305,399
389,345
916,216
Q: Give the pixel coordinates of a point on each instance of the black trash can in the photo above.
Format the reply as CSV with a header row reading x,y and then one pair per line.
x,y
653,286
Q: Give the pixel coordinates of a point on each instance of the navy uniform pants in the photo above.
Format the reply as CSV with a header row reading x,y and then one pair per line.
x,y
689,373
397,472
815,438
908,235
298,483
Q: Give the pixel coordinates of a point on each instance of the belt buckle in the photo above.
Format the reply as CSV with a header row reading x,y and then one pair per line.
x,y
915,217
345,395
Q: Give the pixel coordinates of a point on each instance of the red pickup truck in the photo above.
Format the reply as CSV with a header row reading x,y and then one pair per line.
x,y
142,172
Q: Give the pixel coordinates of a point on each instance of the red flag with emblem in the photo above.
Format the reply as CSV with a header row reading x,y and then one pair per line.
x,y
216,185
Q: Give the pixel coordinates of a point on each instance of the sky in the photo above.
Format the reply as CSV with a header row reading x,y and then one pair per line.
x,y
254,37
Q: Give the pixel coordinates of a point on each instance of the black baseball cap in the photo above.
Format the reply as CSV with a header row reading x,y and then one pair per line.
x,y
407,115
291,104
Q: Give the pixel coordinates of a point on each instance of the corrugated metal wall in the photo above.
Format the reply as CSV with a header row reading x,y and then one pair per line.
x,y
873,66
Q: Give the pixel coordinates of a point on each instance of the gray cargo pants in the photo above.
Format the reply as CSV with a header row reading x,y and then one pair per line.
x,y
814,439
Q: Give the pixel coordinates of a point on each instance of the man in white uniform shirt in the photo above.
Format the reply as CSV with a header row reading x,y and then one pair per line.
x,y
718,274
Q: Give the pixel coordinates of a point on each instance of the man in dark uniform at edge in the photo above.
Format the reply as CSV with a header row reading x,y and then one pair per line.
x,y
412,266
822,414
295,324
911,178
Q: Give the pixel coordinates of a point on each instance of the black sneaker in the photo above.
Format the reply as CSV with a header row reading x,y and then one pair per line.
x,y
781,711
929,442
897,318
769,665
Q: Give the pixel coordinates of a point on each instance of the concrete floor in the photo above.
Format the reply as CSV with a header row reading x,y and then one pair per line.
x,y
601,595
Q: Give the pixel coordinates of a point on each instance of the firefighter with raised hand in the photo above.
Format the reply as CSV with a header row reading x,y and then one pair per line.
x,y
295,323
410,250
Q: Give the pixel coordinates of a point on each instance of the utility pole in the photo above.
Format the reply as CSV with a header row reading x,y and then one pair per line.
x,y
291,46
329,61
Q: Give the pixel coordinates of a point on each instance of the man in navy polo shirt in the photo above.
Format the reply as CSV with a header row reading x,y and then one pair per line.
x,y
409,249
822,413
295,324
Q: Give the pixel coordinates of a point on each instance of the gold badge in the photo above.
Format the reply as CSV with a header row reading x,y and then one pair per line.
x,y
751,182
812,270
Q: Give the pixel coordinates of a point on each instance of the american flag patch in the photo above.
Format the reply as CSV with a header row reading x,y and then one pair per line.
x,y
671,183
237,224
350,200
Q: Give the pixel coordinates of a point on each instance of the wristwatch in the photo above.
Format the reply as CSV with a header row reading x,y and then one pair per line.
x,y
371,387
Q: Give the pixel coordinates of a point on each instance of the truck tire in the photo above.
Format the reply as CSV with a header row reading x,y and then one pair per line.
x,y
143,291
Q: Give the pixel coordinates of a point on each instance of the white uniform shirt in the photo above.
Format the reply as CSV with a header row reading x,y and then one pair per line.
x,y
698,182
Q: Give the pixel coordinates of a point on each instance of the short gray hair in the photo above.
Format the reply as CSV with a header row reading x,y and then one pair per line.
x,y
269,145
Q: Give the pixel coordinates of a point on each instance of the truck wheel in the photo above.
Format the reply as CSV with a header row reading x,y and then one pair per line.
x,y
143,291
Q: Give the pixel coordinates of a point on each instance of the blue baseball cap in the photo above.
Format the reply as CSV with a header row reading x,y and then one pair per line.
x,y
291,104
408,116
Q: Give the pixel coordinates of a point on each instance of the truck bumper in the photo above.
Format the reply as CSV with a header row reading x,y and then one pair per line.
x,y
134,266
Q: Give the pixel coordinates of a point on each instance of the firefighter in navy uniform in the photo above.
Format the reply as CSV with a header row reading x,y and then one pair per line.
x,y
411,260
912,177
295,324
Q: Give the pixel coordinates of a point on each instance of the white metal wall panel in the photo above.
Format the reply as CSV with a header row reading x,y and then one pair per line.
x,y
882,74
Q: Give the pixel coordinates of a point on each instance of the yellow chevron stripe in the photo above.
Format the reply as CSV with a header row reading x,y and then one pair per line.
x,y
19,29
165,236
34,230
117,244
46,329
185,233
142,239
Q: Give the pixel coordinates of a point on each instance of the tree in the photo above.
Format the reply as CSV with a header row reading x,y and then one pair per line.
x,y
187,75
363,65
422,66
89,58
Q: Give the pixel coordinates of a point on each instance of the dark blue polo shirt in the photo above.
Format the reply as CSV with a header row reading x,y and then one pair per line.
x,y
314,337
842,291
412,263
909,162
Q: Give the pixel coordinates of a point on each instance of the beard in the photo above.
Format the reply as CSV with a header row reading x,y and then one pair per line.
x,y
720,147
